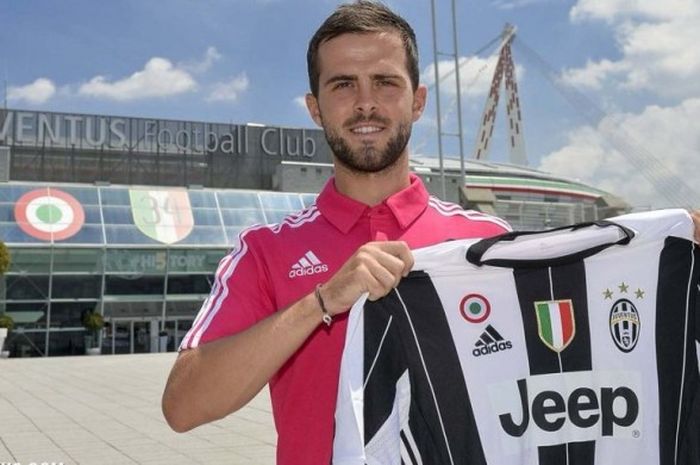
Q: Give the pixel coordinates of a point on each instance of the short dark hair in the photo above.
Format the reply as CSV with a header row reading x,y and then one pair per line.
x,y
362,16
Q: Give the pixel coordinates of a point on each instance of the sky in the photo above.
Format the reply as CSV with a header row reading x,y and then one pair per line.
x,y
609,89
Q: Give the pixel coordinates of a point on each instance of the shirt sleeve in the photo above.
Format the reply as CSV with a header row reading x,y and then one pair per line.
x,y
240,296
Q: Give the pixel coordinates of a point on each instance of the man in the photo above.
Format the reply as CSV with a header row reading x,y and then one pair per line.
x,y
264,319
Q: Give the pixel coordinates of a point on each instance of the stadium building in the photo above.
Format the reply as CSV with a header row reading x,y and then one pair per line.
x,y
128,217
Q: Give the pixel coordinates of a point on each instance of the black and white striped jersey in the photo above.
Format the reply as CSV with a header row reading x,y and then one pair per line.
x,y
552,348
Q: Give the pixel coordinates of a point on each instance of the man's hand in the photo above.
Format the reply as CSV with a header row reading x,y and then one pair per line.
x,y
376,268
696,219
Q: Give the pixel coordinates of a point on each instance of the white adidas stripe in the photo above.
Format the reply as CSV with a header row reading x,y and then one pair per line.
x,y
309,259
313,258
452,209
445,205
412,444
214,291
213,303
295,218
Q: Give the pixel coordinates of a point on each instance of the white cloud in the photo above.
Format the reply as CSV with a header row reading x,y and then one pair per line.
x,y
211,56
629,154
593,74
513,4
229,90
35,93
611,10
159,78
657,42
669,134
475,77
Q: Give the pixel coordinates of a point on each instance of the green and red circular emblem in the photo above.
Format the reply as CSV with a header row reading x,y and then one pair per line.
x,y
49,214
475,308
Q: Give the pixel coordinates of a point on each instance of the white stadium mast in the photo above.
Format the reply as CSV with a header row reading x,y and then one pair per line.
x,y
667,182
504,69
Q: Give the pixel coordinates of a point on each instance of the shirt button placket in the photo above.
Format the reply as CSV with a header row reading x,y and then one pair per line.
x,y
378,224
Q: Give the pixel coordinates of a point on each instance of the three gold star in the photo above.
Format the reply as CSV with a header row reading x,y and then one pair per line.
x,y
624,288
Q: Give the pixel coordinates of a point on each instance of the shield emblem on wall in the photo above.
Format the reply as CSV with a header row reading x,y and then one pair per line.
x,y
162,214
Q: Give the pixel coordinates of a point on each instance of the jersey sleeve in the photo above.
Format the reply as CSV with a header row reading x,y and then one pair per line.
x,y
240,296
697,314
348,443
374,391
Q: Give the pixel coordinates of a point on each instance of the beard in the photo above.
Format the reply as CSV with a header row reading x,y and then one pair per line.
x,y
368,158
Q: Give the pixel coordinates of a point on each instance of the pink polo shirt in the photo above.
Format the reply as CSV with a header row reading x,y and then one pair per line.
x,y
276,265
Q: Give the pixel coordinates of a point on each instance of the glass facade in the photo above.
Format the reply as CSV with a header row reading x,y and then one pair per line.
x,y
142,257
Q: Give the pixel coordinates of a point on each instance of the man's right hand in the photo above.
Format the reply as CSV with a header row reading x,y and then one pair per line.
x,y
375,268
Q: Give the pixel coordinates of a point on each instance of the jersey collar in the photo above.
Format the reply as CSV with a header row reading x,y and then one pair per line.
x,y
344,212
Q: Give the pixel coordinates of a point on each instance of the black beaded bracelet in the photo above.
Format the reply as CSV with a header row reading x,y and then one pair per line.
x,y
327,318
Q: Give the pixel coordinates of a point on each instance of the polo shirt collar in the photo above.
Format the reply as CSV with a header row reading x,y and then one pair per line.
x,y
344,212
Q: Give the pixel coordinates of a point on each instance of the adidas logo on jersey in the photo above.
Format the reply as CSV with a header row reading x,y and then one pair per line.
x,y
307,265
490,342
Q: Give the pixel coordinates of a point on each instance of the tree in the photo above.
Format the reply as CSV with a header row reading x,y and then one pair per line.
x,y
6,321
93,322
5,259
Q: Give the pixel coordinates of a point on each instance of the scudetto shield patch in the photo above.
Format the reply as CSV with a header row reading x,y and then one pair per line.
x,y
555,323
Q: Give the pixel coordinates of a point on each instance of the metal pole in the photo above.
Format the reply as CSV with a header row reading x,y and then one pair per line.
x,y
436,58
459,96
165,291
48,309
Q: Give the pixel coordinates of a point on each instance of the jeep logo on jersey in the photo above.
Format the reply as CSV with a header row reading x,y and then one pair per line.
x,y
307,265
475,308
544,410
555,323
624,325
583,408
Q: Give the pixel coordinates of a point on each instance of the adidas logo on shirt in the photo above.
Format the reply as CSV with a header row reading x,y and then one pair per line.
x,y
307,265
490,342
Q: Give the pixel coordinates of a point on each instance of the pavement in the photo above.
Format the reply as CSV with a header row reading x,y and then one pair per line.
x,y
105,410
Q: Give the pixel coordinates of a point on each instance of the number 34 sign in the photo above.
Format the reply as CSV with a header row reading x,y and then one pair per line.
x,y
164,214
